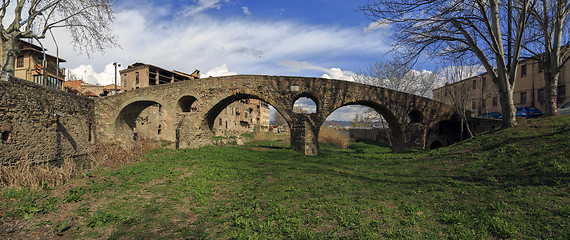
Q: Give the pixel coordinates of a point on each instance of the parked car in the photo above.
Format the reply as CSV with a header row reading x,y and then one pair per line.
x,y
495,115
529,112
564,109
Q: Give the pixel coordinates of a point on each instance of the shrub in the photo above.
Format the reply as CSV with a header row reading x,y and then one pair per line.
x,y
335,136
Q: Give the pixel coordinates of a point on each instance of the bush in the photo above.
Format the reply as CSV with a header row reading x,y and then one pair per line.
x,y
335,136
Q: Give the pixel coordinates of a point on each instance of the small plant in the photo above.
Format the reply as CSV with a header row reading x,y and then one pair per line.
x,y
74,195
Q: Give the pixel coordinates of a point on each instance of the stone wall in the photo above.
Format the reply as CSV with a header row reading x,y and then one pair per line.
x,y
374,135
46,124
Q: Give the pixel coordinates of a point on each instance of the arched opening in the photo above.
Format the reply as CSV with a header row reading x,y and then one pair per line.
x,y
239,114
415,116
435,145
186,104
305,105
144,120
358,121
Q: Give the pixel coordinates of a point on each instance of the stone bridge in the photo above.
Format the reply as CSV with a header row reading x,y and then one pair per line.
x,y
188,109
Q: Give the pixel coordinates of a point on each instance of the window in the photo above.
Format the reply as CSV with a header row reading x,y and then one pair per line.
x,y
523,97
474,84
483,103
561,95
541,97
136,77
220,122
523,70
494,102
483,82
125,83
20,61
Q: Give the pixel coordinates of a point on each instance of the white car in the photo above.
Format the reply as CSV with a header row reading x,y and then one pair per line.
x,y
564,109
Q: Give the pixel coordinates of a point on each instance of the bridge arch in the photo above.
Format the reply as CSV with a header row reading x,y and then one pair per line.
x,y
309,96
186,103
223,102
159,119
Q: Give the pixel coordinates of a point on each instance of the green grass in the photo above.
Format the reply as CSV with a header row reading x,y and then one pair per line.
x,y
505,184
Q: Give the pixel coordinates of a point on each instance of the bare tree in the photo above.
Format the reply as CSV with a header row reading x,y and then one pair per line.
x,y
460,91
459,28
397,74
548,27
88,21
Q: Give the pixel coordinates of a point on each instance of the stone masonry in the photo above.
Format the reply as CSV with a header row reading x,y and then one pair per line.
x,y
189,109
46,124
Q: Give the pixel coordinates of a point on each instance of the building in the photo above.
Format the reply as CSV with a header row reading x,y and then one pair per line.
x,y
89,90
483,95
29,66
246,115
140,75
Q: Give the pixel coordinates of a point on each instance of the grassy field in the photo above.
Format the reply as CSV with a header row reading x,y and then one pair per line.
x,y
506,184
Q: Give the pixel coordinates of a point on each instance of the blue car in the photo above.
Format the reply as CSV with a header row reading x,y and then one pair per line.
x,y
529,112
495,115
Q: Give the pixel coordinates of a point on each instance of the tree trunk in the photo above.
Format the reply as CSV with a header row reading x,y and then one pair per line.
x,y
10,50
550,91
508,106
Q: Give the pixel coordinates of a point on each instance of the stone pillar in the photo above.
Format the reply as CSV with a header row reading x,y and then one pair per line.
x,y
413,135
157,80
305,134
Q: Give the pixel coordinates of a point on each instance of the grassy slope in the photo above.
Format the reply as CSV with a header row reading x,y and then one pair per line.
x,y
506,184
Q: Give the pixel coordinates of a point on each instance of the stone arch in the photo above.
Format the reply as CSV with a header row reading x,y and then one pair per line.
x,y
397,138
415,116
224,101
186,103
436,144
129,112
309,96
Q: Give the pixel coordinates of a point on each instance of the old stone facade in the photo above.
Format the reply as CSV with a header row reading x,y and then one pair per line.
x,y
29,66
246,115
483,95
139,75
45,124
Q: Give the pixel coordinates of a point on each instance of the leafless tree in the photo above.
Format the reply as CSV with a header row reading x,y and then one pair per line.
x,y
88,21
396,74
399,75
460,28
460,92
549,33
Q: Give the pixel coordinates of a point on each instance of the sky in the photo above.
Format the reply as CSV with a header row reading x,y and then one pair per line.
x,y
310,38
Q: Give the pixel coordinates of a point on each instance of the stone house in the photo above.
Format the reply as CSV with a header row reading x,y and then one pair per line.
x,y
483,95
246,115
140,75
29,66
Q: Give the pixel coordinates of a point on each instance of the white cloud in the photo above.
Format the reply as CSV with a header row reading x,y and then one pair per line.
x,y
149,34
380,24
246,11
218,72
203,5
337,73
330,73
89,75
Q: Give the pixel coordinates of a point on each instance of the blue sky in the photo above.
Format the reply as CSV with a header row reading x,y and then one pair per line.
x,y
312,38
300,38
